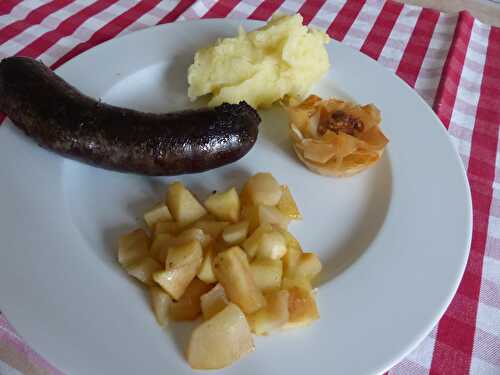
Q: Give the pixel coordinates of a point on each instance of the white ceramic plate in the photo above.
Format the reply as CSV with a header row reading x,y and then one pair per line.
x,y
394,239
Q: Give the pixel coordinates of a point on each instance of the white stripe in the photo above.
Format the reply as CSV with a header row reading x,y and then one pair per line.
x,y
289,7
242,8
150,18
16,44
467,96
357,33
326,15
197,10
398,38
478,366
20,11
5,369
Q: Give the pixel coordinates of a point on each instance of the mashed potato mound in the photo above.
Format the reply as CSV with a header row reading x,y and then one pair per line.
x,y
283,58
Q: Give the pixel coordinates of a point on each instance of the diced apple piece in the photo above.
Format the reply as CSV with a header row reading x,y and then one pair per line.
x,y
271,215
183,205
221,340
167,227
273,316
188,306
272,245
160,302
144,269
182,265
251,214
161,244
213,301
132,247
194,234
206,272
308,266
267,273
158,213
224,206
212,228
296,282
252,243
301,308
287,204
232,270
264,189
245,197
236,233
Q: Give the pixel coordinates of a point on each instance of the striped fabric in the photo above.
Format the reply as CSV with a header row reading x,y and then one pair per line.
x,y
452,61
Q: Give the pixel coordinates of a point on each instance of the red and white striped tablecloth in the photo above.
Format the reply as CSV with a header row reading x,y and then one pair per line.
x,y
451,60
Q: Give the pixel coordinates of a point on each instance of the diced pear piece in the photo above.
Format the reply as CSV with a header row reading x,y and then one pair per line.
x,y
158,213
224,206
167,227
161,244
188,306
221,340
160,302
132,247
302,308
267,273
235,233
273,316
271,215
232,270
193,234
206,272
251,214
183,205
252,243
287,204
144,269
211,227
308,266
272,245
213,301
182,265
264,189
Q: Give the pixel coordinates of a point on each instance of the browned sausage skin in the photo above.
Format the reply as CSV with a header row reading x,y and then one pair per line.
x,y
62,119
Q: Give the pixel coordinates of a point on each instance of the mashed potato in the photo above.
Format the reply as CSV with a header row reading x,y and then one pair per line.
x,y
283,58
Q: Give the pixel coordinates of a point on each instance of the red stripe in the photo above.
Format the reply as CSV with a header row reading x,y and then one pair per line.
x,y
378,35
65,28
265,9
450,78
33,18
481,174
309,9
344,19
417,46
175,13
110,30
221,9
6,6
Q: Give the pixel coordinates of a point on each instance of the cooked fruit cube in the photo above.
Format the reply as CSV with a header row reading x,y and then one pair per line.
x,y
211,227
194,234
267,273
182,265
273,316
160,302
252,243
221,340
132,247
183,205
144,269
161,244
206,272
271,215
308,266
264,189
251,214
213,301
301,308
188,306
272,245
158,213
287,204
296,282
224,206
168,227
232,270
235,233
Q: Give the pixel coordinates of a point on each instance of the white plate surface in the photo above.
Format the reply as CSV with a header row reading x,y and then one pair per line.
x,y
394,239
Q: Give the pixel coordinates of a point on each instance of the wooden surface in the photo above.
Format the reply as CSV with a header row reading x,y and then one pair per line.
x,y
485,10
